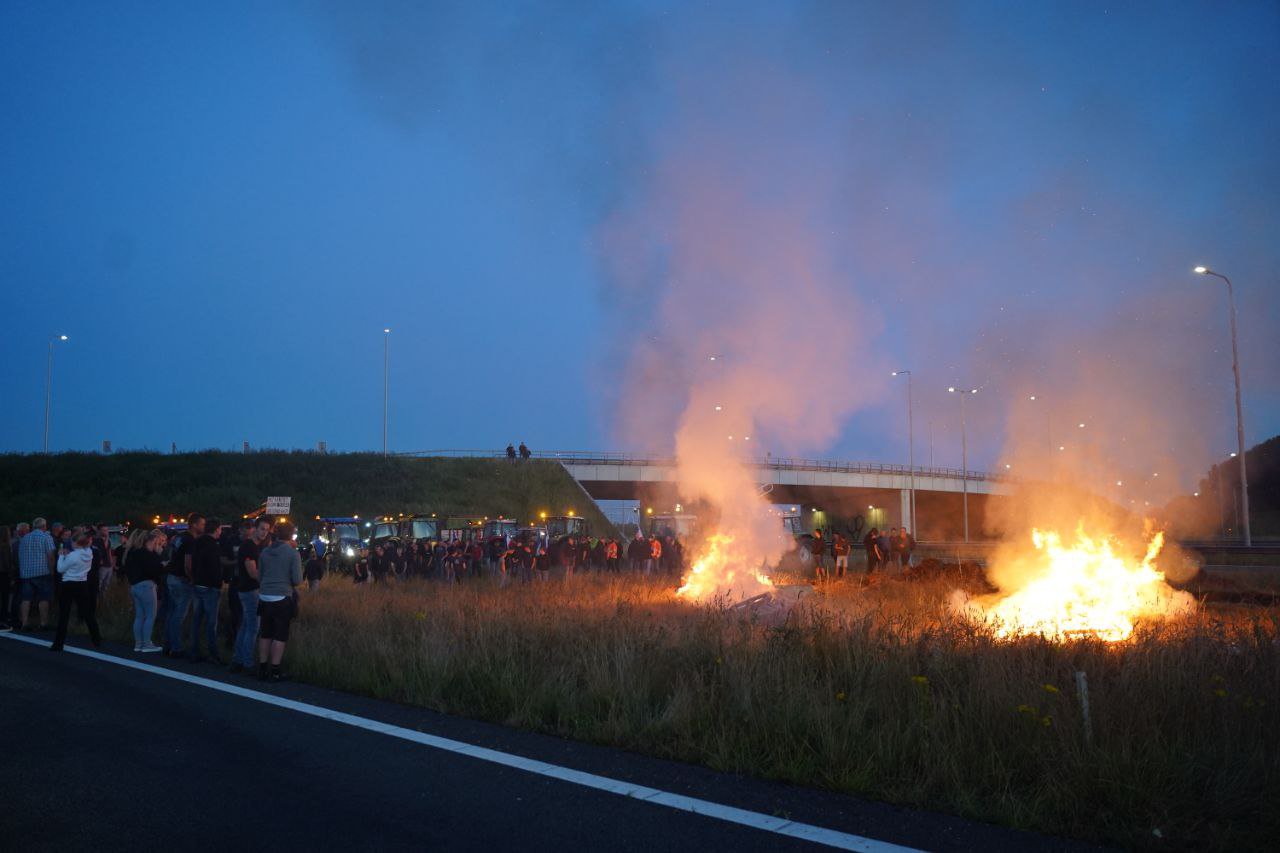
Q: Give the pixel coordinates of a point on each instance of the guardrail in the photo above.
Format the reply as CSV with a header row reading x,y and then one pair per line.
x,y
784,463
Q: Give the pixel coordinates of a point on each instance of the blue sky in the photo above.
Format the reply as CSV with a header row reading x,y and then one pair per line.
x,y
224,204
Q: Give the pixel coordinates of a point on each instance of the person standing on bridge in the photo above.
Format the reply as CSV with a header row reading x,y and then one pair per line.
x,y
511,452
525,455
280,574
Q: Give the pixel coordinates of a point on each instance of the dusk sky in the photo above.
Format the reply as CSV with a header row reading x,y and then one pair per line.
x,y
223,205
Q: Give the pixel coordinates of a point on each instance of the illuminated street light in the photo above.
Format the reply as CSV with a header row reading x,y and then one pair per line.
x,y
911,442
48,389
1235,369
964,455
386,386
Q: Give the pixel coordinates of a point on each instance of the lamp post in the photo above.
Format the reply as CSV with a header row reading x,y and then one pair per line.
x,y
964,453
1235,369
1048,427
48,389
911,444
386,386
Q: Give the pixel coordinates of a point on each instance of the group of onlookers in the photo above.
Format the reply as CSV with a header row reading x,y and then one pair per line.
x,y
169,577
522,557
43,564
885,552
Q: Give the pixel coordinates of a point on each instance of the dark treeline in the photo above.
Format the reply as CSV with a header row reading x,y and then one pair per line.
x,y
130,486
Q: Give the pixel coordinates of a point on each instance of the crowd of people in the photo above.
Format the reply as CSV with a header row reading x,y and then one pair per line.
x,y
887,552
257,565
257,570
522,558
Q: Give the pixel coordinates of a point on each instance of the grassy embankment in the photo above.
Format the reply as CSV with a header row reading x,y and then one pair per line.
x,y
878,693
84,487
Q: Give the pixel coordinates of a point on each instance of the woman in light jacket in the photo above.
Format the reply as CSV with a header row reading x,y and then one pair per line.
x,y
74,567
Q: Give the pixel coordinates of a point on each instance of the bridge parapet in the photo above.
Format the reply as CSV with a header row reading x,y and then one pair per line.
x,y
880,475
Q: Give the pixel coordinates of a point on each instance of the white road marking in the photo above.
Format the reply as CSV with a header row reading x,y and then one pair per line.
x,y
706,808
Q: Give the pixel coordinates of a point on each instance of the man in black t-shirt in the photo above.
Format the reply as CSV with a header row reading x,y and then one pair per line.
x,y
178,586
245,589
206,592
313,571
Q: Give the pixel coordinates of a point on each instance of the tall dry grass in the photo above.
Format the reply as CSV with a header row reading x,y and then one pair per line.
x,y
880,693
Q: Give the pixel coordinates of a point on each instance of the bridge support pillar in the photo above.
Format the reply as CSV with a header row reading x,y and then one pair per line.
x,y
904,511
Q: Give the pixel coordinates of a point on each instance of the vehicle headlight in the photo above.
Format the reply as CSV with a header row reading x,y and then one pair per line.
x,y
348,551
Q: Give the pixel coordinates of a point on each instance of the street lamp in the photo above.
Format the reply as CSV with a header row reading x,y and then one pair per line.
x,y
386,386
1048,425
48,389
964,453
1235,369
911,444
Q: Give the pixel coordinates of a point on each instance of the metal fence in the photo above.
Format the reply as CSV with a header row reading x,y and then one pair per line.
x,y
784,463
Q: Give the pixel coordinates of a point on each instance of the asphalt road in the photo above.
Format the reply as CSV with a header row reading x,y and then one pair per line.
x,y
99,756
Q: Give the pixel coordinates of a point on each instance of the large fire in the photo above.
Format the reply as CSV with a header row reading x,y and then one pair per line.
x,y
720,573
1085,589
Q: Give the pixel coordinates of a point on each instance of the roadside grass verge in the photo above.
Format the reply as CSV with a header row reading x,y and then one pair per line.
x,y
878,692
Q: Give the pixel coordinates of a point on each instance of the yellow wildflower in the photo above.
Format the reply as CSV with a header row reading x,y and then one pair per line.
x,y
920,679
1049,688
840,696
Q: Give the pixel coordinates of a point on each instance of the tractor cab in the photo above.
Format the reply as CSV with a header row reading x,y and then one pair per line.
x,y
560,526
385,531
338,541
501,527
678,525
419,528
462,529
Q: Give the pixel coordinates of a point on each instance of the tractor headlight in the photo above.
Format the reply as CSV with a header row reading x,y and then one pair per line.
x,y
348,551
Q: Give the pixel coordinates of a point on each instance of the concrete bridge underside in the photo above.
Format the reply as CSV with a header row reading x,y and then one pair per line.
x,y
823,497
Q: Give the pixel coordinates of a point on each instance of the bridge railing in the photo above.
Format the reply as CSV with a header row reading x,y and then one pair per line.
x,y
784,463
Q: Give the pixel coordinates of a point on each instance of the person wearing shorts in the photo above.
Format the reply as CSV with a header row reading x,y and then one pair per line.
x,y
279,575
840,547
36,555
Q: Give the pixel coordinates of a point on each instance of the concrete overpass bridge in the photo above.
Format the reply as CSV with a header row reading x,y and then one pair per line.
x,y
820,489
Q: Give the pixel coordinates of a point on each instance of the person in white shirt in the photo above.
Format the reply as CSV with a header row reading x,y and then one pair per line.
x,y
74,567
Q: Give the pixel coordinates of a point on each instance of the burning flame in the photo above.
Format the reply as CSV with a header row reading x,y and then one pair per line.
x,y
714,574
1085,589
